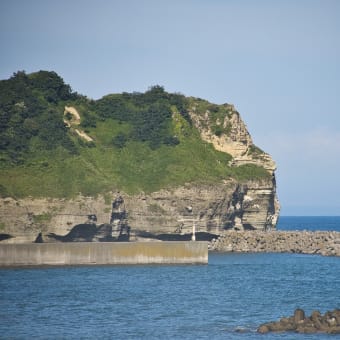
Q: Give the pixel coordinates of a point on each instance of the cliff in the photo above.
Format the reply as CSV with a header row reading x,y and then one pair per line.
x,y
176,162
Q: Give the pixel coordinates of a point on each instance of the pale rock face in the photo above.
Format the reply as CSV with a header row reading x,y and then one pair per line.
x,y
26,218
212,208
75,121
237,143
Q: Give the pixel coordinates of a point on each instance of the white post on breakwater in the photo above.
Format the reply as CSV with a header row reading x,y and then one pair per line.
x,y
193,238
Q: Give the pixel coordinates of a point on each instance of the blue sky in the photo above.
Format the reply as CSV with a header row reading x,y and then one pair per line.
x,y
277,61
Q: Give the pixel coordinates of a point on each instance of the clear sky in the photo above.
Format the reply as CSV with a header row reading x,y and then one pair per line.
x,y
277,61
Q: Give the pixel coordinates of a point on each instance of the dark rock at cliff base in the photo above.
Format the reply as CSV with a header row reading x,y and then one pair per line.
x,y
5,237
316,323
88,233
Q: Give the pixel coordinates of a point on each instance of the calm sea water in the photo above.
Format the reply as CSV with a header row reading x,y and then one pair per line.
x,y
309,223
226,299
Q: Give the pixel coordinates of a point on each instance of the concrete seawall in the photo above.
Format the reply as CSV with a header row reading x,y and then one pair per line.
x,y
84,253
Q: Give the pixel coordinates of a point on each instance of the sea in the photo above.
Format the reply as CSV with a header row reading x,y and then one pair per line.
x,y
226,299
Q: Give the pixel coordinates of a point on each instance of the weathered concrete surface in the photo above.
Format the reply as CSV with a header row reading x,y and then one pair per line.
x,y
103,253
307,242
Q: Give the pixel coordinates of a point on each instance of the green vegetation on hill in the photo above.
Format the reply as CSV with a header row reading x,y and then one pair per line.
x,y
141,141
31,115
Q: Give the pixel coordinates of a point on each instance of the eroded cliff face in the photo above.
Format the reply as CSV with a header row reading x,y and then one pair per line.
x,y
212,209
209,208
237,141
255,204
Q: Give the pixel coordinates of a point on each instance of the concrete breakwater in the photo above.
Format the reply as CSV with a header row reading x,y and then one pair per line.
x,y
91,253
307,242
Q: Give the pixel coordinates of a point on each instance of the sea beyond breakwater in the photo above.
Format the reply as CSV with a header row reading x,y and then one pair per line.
x,y
325,243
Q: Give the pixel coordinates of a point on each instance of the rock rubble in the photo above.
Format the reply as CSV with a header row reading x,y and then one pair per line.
x,y
316,323
325,243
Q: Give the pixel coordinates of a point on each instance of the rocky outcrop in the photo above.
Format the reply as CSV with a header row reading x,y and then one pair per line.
x,y
212,208
318,242
74,120
236,142
236,139
246,208
300,323
205,208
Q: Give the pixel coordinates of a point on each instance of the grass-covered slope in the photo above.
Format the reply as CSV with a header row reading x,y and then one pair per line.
x,y
141,141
